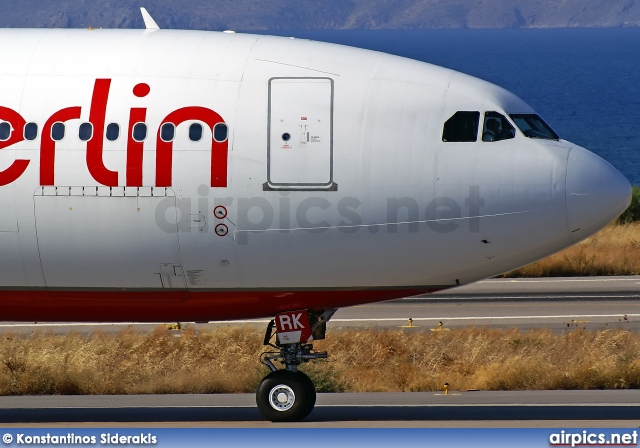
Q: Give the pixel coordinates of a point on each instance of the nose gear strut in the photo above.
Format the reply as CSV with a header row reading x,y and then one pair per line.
x,y
289,395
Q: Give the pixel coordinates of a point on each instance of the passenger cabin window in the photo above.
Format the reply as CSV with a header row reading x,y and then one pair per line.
x,y
85,132
461,127
30,131
167,132
533,126
57,131
496,128
195,132
139,132
5,131
113,132
220,132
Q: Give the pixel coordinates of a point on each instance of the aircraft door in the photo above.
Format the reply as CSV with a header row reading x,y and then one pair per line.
x,y
300,140
100,237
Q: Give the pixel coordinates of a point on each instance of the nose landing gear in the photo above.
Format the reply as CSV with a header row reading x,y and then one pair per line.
x,y
289,395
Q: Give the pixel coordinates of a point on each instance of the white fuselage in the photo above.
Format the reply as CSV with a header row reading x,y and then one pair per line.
x,y
321,178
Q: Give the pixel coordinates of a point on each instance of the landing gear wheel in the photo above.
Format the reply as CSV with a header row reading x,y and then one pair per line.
x,y
285,396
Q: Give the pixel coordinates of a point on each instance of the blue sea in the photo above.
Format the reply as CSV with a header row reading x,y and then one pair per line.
x,y
585,83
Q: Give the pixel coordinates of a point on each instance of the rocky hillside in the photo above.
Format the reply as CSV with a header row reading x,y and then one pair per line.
x,y
323,14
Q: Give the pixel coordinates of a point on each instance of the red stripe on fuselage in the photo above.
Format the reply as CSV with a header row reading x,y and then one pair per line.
x,y
169,306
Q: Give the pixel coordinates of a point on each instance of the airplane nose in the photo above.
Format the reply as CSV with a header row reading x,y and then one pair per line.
x,y
596,193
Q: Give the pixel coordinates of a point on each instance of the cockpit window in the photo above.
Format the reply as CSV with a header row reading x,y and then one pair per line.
x,y
461,127
496,128
532,126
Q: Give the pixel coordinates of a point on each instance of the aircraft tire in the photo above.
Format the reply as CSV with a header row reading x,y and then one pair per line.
x,y
312,389
285,396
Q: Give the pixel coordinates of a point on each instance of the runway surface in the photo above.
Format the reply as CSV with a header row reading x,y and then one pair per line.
x,y
598,302
469,409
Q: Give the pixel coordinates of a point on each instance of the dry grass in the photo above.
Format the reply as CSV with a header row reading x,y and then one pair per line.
x,y
226,360
485,359
130,362
615,250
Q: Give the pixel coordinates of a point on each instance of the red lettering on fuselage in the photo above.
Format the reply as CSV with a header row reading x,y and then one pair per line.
x,y
95,163
135,149
164,150
18,166
48,144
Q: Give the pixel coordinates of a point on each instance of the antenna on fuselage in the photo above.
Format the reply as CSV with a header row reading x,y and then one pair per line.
x,y
148,20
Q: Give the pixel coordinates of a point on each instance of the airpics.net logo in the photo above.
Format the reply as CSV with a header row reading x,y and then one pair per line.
x,y
588,438
245,216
